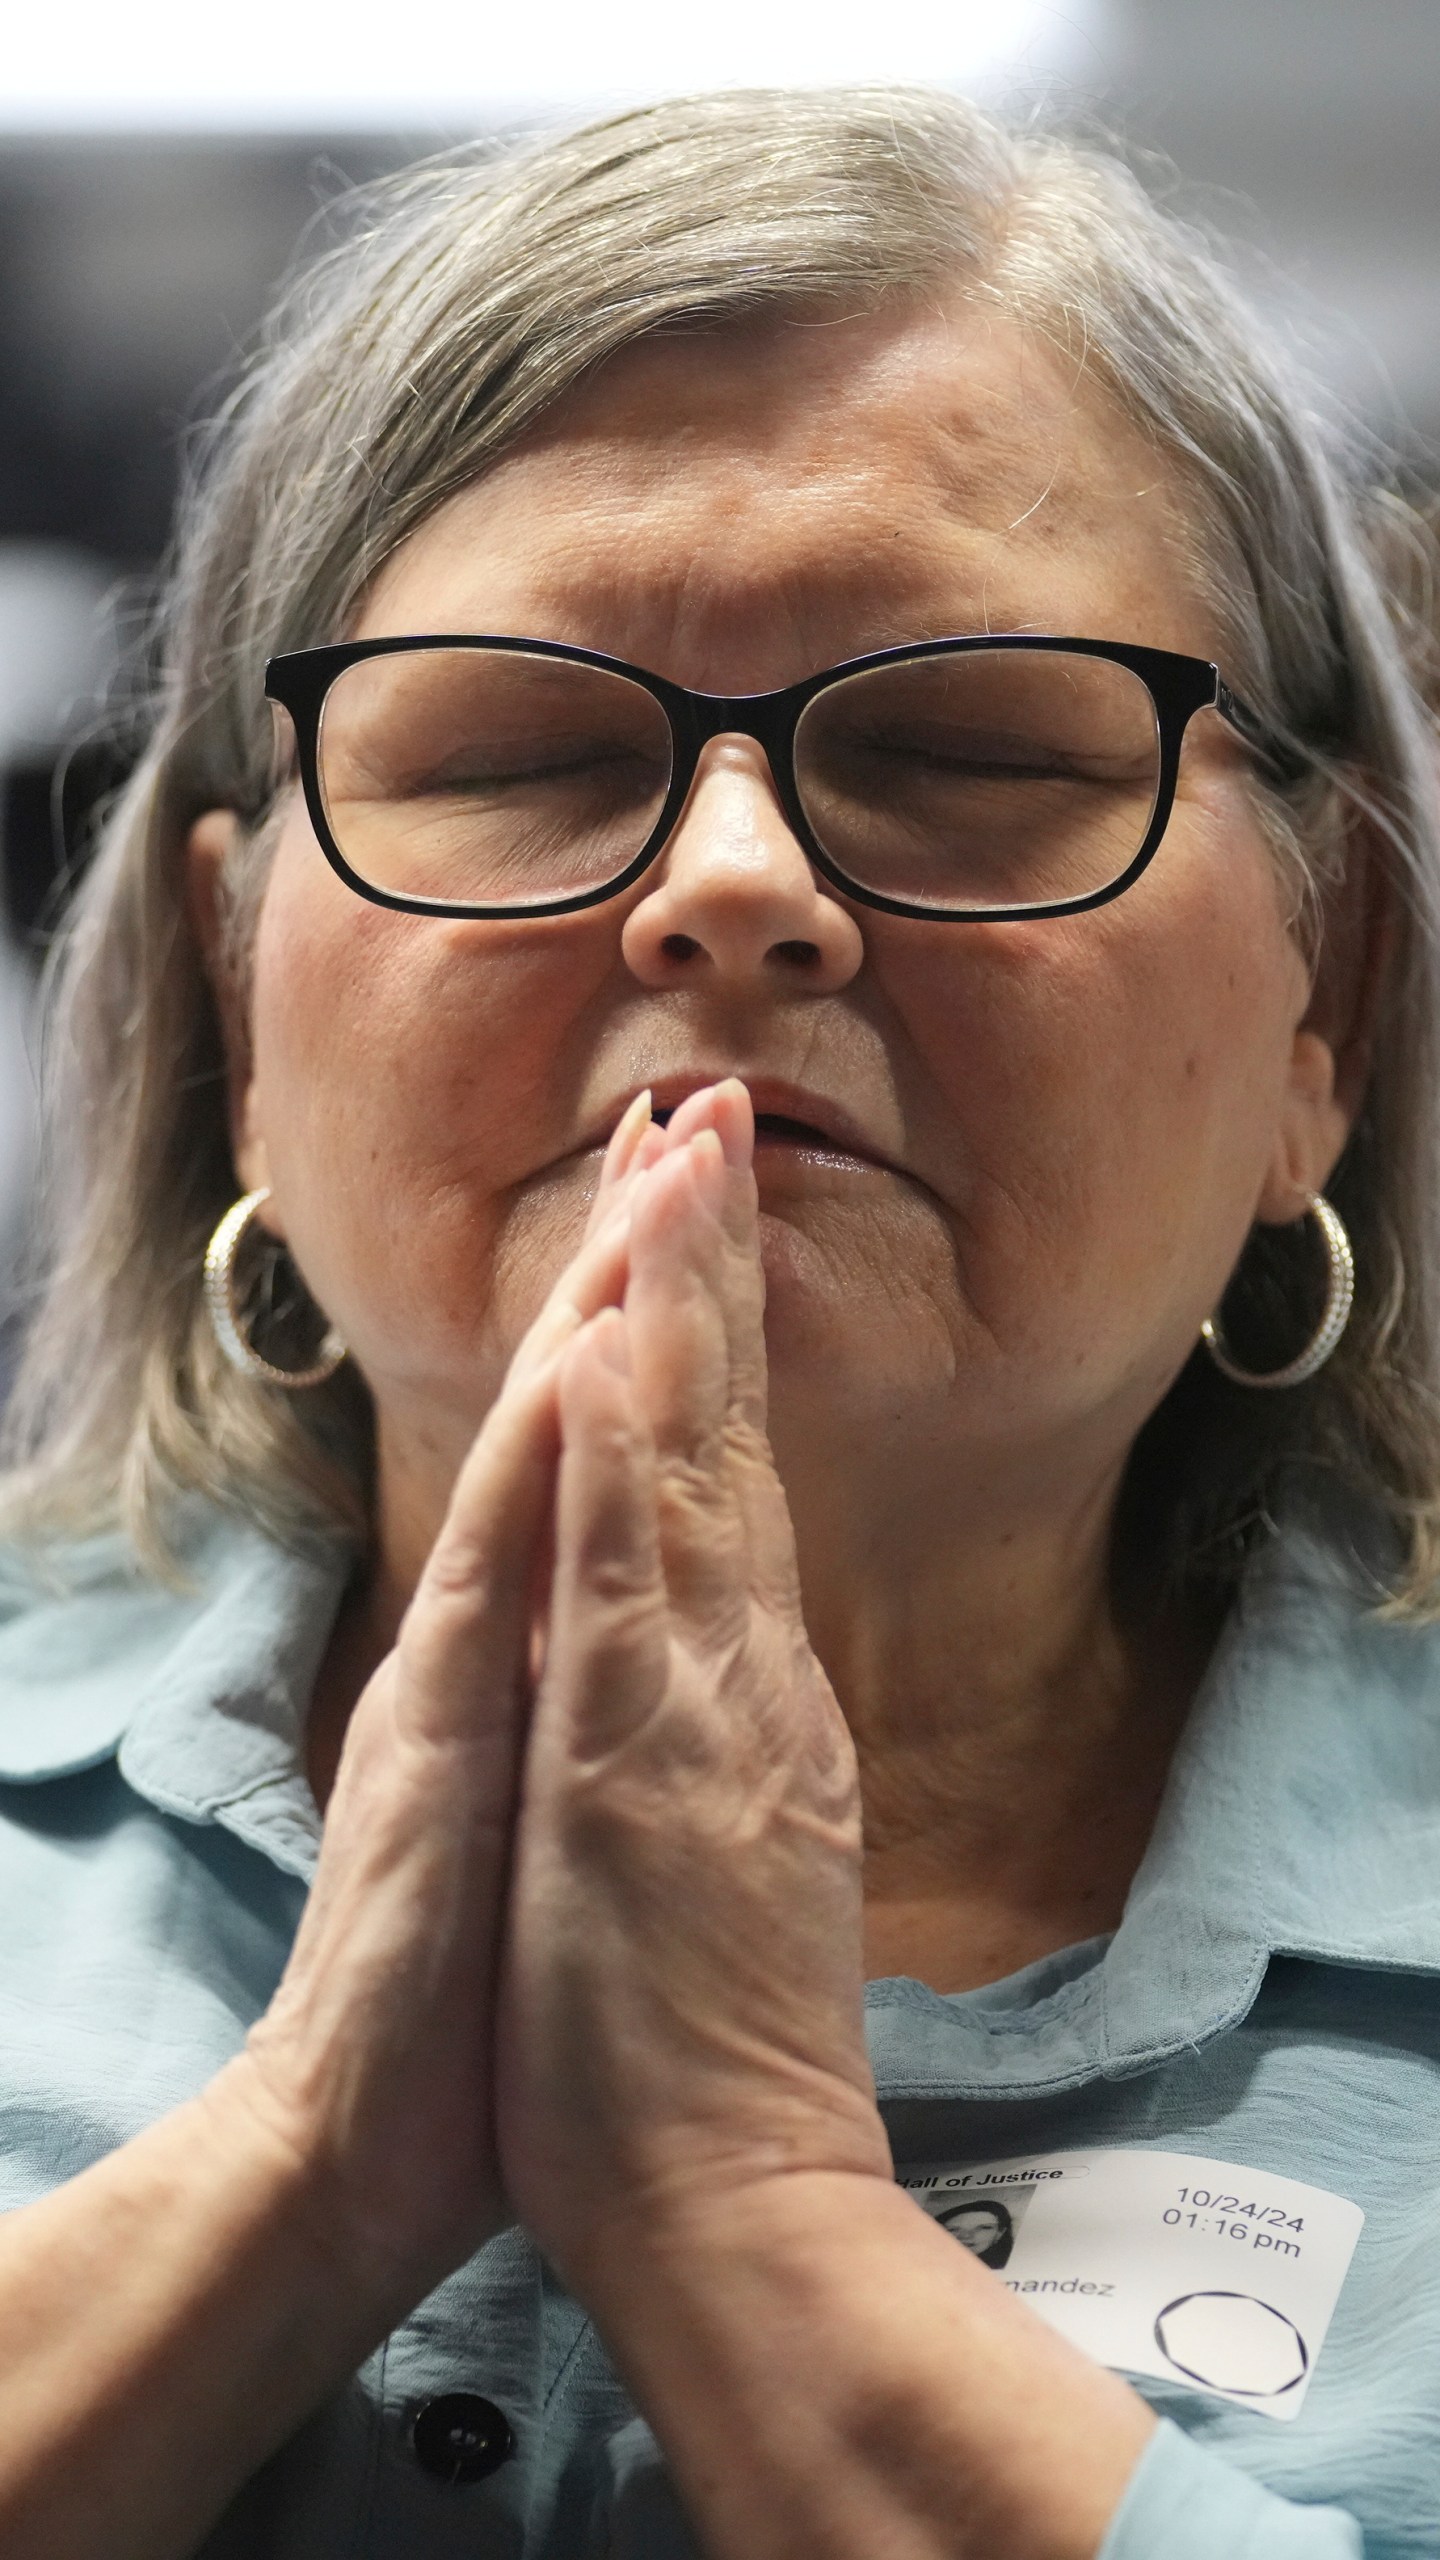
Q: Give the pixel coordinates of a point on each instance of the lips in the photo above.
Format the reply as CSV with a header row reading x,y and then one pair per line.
x,y
782,1128
785,1115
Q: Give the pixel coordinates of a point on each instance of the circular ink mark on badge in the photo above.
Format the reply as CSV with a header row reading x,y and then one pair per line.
x,y
1232,2342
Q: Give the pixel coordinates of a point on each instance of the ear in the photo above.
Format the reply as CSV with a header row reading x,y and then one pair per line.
x,y
208,850
1333,1047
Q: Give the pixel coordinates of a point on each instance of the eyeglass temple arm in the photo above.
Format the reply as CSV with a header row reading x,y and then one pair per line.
x,y
1281,761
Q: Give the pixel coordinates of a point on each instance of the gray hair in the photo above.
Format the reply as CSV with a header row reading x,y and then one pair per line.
x,y
465,298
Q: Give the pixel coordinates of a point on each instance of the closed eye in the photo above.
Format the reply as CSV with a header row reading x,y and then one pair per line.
x,y
472,779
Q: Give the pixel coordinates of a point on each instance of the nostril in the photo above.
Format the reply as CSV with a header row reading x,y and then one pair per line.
x,y
793,956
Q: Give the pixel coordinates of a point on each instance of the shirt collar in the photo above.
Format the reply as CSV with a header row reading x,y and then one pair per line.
x,y
202,1693
1301,1817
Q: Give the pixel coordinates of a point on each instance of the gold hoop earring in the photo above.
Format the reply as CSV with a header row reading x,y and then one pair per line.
x,y
224,1309
1339,1299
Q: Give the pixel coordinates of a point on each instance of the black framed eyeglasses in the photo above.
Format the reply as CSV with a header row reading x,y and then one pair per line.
x,y
966,779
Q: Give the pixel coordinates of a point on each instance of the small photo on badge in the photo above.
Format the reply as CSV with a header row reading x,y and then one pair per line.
x,y
982,2222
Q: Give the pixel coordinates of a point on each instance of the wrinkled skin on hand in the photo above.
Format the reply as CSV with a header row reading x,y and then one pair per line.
x,y
682,2002
615,1575
383,2022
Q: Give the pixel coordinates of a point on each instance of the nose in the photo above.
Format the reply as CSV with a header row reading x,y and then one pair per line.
x,y
733,905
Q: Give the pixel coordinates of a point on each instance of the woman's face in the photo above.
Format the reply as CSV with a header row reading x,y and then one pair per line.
x,y
1064,1129
976,2229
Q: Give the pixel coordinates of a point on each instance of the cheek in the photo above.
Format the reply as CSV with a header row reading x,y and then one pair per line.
x,y
1114,1085
405,1084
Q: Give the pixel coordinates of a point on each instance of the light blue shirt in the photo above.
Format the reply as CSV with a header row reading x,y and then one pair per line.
x,y
1270,1999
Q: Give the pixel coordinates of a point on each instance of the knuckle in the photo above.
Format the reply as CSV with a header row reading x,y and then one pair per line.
x,y
457,1613
747,1444
690,1481
450,1572
621,1585
458,1579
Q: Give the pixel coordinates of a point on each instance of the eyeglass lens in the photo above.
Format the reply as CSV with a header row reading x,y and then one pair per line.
x,y
990,778
484,776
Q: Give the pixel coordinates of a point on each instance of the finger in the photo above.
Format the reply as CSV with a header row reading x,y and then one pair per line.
x,y
679,1346
463,1647
676,1333
607,1656
755,1489
651,1148
595,1279
597,1276
726,1109
590,1283
743,1276
639,1142
626,1138
774,1572
689,1117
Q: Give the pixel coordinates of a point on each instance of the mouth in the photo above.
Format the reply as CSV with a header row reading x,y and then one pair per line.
x,y
804,1138
786,1129
794,1124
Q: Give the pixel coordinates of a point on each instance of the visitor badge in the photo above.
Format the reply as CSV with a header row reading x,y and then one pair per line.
x,y
1196,2272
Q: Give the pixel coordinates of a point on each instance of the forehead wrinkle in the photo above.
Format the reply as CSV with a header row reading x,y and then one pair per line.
x,y
786,600
992,492
726,531
686,609
670,566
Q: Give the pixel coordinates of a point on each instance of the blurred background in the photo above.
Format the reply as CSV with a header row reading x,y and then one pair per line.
x,y
159,166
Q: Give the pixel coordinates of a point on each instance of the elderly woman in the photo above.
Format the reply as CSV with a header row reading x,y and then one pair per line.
x,y
703,1291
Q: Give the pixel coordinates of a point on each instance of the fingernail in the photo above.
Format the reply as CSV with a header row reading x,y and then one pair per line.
x,y
708,1157
629,1130
735,1122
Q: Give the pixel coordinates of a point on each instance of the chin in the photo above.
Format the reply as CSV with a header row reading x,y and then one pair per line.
x,y
840,1339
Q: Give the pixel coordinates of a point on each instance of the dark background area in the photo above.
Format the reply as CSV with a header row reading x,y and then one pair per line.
x,y
133,270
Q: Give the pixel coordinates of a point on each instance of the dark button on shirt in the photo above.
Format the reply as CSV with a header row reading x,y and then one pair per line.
x,y
461,2436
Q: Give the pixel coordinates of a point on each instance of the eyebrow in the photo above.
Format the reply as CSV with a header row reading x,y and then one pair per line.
x,y
578,609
